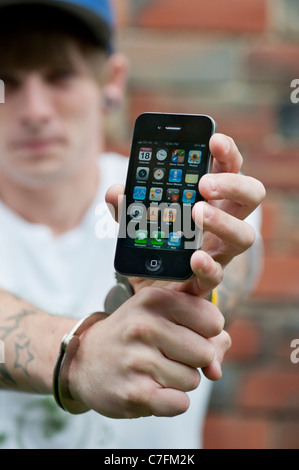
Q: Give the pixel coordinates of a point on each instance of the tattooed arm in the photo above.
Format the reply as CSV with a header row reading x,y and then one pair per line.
x,y
120,369
30,341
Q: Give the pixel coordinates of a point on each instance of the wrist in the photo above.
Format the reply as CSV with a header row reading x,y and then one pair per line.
x,y
62,387
118,294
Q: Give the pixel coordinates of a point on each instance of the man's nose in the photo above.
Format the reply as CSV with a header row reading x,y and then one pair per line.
x,y
35,107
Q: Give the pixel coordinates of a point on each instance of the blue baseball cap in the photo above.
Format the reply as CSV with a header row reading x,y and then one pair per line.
x,y
97,16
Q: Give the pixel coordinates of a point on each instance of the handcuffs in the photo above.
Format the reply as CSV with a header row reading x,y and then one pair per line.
x,y
119,294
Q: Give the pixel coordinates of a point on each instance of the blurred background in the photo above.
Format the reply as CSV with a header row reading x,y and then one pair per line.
x,y
235,60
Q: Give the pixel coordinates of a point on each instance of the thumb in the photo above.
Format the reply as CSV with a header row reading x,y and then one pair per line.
x,y
114,199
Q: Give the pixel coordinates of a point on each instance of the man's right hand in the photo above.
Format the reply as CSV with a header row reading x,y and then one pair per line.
x,y
142,359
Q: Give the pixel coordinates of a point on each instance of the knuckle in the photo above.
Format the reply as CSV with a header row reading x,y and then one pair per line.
x,y
136,402
142,364
139,330
152,296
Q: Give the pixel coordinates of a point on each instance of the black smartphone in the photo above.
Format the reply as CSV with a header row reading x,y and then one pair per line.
x,y
169,155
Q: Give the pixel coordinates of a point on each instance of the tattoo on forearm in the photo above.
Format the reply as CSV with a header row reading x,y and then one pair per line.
x,y
14,322
22,347
23,356
6,380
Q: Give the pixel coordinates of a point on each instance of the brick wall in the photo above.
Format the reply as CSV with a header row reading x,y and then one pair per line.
x,y
235,60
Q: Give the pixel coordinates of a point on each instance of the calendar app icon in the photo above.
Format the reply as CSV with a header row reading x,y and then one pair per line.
x,y
145,154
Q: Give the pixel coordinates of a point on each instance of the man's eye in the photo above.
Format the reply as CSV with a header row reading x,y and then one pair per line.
x,y
9,81
60,75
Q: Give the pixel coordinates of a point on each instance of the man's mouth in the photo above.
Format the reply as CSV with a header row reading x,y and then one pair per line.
x,y
36,145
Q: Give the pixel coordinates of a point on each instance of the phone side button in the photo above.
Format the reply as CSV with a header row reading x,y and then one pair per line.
x,y
153,263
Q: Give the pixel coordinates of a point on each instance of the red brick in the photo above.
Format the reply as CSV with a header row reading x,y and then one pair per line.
x,y
271,390
247,125
276,168
235,432
228,15
285,434
270,221
274,63
280,278
246,340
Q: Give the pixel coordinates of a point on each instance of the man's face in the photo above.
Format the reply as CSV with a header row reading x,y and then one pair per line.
x,y
50,123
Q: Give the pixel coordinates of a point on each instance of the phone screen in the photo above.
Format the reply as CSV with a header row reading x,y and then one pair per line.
x,y
166,163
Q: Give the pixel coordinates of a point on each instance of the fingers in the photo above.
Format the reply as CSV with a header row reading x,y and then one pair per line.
x,y
209,273
175,309
167,373
234,235
169,402
146,398
242,194
227,157
222,343
114,199
148,355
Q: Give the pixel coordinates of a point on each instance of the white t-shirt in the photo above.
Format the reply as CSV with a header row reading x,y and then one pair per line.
x,y
71,275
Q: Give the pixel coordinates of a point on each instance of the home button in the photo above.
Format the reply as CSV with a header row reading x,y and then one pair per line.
x,y
153,263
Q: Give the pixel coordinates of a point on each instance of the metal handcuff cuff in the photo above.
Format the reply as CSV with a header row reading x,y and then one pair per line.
x,y
119,294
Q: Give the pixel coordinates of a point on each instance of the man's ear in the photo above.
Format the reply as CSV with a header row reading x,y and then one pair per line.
x,y
114,87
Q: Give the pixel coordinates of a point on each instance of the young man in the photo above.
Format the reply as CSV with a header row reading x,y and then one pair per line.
x,y
60,71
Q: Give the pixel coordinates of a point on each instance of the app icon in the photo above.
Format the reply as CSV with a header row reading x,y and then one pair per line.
x,y
194,156
142,173
152,214
141,237
191,177
189,195
139,192
161,154
156,194
175,176
145,154
159,174
169,215
136,211
178,156
157,238
173,195
174,239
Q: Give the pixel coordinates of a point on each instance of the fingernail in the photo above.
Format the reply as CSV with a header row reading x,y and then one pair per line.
x,y
207,211
225,143
203,267
213,184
